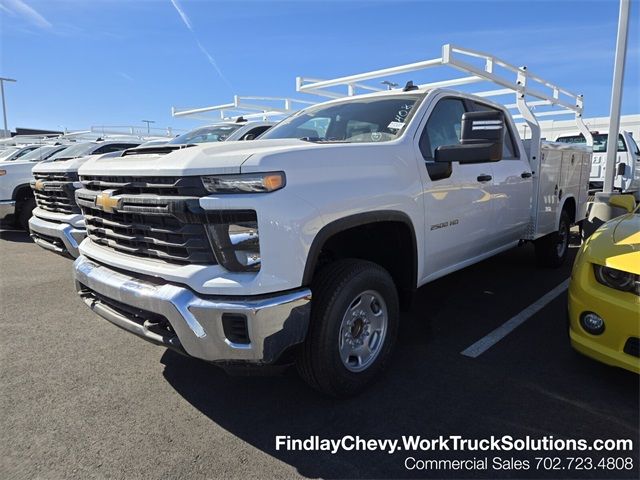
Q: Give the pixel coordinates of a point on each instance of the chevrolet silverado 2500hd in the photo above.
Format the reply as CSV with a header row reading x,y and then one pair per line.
x,y
304,246
56,223
16,197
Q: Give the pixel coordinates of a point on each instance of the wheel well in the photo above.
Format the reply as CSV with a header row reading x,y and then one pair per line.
x,y
22,193
389,243
570,207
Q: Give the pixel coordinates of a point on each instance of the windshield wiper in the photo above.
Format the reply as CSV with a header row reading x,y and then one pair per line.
x,y
322,140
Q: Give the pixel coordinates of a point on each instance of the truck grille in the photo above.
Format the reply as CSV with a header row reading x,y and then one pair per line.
x,y
55,192
154,217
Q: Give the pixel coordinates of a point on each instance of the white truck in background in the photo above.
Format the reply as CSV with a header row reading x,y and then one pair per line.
x,y
627,179
303,246
16,198
56,223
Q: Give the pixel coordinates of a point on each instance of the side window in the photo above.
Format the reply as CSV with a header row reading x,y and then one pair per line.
x,y
314,127
621,146
356,128
509,151
104,149
443,127
114,147
24,152
633,146
258,131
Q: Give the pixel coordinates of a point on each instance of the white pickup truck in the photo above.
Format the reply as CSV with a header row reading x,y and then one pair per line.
x,y
627,164
304,245
56,223
16,198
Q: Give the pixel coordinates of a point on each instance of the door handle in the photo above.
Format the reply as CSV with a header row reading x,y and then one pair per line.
x,y
484,178
525,174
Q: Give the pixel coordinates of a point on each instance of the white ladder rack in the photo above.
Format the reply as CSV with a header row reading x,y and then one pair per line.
x,y
530,91
137,131
247,107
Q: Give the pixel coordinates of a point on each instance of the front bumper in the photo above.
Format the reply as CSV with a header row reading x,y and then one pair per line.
x,y
7,207
58,237
195,323
619,311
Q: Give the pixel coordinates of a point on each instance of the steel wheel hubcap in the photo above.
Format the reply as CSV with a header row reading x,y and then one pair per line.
x,y
362,331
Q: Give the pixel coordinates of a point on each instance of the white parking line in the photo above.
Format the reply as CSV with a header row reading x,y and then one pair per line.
x,y
485,343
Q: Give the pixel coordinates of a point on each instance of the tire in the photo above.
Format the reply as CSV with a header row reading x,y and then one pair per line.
x,y
24,212
350,301
552,249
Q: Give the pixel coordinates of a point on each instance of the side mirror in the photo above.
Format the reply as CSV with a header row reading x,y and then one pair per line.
x,y
622,168
626,202
481,139
249,136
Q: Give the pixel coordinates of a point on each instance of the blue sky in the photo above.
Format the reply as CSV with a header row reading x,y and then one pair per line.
x,y
112,62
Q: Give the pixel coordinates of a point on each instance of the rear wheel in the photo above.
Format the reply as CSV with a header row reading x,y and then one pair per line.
x,y
552,249
24,212
354,324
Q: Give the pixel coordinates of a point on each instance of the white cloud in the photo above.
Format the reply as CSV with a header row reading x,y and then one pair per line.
x,y
21,8
126,76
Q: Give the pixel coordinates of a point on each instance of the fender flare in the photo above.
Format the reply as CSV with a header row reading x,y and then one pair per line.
x,y
564,203
358,220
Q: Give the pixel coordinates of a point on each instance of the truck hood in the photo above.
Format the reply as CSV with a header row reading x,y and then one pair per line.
x,y
15,164
202,159
63,166
616,244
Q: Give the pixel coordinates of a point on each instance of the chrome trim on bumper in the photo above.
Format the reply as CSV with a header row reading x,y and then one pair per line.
x,y
274,323
68,235
7,207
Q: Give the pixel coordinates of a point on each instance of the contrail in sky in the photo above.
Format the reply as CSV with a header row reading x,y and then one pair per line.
x,y
211,60
21,8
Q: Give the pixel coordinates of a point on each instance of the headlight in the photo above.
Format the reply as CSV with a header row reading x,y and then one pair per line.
x,y
234,238
613,278
244,183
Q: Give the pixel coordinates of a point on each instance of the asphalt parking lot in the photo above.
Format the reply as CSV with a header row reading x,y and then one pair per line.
x,y
80,398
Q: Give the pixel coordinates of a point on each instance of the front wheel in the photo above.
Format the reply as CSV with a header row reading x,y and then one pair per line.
x,y
354,323
552,249
24,213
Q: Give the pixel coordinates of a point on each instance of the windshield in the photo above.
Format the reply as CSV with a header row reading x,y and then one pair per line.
x,y
42,153
4,154
599,142
377,119
74,151
214,133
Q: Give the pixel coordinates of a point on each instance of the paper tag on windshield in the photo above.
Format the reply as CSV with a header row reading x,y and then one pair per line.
x,y
395,125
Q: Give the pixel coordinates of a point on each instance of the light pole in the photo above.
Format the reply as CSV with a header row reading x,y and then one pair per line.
x,y
600,210
148,122
4,108
616,96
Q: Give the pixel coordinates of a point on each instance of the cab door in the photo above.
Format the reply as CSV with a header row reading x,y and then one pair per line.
x,y
459,213
512,189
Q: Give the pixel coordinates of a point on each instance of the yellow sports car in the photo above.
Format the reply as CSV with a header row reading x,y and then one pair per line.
x,y
604,293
